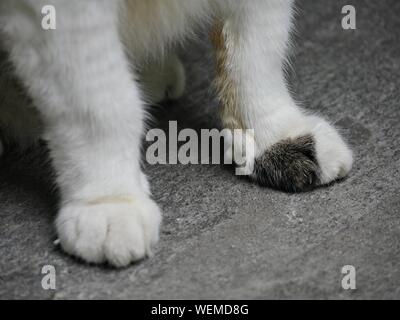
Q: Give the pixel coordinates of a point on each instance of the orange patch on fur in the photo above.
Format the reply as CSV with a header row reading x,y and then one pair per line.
x,y
111,200
226,86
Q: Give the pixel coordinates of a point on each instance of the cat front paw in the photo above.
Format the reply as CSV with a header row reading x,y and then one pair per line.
x,y
334,157
297,164
115,230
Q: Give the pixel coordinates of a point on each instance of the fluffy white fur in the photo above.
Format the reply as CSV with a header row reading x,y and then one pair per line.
x,y
82,79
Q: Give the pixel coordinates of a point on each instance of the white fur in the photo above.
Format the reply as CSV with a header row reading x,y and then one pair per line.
x,y
115,232
82,79
265,102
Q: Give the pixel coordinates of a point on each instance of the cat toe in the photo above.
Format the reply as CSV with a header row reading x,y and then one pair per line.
x,y
290,165
113,233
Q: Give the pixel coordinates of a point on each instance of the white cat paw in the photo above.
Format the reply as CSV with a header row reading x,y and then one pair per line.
x,y
334,157
117,230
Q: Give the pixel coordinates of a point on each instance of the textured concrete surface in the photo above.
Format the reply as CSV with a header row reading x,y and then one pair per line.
x,y
226,238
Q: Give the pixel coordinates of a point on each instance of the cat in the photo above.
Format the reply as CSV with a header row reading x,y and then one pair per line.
x,y
82,79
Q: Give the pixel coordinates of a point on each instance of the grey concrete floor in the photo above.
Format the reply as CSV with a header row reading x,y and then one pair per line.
x,y
225,238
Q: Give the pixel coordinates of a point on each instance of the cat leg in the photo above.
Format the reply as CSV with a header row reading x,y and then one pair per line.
x,y
293,151
79,79
163,79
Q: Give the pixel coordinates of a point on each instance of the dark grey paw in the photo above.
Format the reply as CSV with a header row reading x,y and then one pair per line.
x,y
289,165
